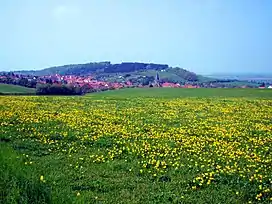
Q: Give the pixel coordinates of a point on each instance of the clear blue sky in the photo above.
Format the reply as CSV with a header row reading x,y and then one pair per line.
x,y
204,36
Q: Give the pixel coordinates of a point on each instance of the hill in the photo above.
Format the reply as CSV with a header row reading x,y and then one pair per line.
x,y
119,72
139,74
14,89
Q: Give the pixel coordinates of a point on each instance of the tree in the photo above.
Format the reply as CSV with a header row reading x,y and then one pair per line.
x,y
263,84
57,89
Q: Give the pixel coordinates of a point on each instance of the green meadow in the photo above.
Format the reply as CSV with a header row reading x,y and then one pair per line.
x,y
154,145
14,89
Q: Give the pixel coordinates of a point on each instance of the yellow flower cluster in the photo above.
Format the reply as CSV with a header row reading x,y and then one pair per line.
x,y
221,139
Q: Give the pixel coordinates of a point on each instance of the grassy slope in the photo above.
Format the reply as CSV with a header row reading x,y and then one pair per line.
x,y
179,93
167,74
9,88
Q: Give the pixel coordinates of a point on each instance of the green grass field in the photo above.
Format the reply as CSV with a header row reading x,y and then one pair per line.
x,y
183,93
137,146
9,88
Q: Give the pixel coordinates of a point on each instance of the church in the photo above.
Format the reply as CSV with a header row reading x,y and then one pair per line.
x,y
157,82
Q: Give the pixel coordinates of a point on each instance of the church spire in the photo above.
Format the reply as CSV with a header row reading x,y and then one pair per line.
x,y
157,77
157,80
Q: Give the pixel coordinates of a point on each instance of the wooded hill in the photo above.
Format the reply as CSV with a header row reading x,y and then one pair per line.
x,y
118,72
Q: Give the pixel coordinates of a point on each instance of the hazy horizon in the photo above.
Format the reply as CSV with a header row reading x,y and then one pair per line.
x,y
203,36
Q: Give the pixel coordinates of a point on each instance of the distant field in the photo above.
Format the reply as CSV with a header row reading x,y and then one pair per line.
x,y
9,88
182,92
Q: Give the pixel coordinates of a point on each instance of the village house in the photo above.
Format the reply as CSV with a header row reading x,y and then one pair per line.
x,y
168,84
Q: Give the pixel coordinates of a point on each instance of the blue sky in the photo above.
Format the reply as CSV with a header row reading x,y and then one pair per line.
x,y
204,36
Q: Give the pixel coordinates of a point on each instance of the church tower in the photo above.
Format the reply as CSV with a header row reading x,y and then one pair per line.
x,y
157,80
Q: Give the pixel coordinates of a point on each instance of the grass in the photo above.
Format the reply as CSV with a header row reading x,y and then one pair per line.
x,y
10,88
184,93
18,183
137,146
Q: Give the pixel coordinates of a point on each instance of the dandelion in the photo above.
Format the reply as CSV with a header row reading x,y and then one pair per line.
x,y
230,140
42,178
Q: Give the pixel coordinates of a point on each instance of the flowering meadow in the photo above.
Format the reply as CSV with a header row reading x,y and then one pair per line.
x,y
140,149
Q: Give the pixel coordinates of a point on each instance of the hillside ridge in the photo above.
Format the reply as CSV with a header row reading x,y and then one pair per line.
x,y
108,71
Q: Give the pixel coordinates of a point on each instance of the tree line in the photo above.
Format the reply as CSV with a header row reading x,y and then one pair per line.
x,y
22,81
67,89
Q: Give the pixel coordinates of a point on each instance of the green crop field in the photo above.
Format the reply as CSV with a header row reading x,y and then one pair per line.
x,y
137,146
9,88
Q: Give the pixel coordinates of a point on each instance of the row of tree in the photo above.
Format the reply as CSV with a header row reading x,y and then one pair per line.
x,y
56,89
30,83
63,89
97,68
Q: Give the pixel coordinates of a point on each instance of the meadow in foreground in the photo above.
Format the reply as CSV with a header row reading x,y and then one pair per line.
x,y
137,150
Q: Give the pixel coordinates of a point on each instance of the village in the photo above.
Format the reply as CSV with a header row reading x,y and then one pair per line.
x,y
82,81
